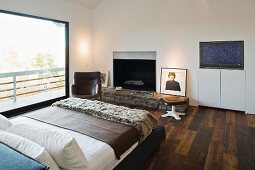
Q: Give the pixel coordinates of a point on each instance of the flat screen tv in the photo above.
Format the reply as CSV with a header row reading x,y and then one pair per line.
x,y
222,54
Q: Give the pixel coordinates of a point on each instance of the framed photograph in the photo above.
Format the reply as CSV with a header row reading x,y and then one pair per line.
x,y
104,78
173,81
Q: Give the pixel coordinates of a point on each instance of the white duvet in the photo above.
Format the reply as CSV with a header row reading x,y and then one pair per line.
x,y
100,156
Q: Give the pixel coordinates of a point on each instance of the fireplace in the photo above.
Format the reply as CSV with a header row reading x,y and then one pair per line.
x,y
136,74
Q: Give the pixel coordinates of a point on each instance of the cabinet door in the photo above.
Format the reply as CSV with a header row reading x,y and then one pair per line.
x,y
209,87
233,89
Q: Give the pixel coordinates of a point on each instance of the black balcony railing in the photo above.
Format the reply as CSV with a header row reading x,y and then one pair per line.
x,y
27,83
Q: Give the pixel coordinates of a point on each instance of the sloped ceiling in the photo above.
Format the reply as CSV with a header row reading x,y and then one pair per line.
x,y
88,3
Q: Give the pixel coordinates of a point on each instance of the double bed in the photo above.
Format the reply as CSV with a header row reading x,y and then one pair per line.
x,y
99,154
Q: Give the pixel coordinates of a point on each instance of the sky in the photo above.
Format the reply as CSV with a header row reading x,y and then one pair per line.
x,y
27,37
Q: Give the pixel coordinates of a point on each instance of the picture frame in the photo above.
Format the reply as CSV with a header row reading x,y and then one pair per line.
x,y
173,81
104,78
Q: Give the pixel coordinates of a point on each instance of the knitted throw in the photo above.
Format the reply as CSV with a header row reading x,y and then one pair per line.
x,y
142,120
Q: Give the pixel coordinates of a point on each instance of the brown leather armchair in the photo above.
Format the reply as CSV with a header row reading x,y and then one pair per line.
x,y
86,85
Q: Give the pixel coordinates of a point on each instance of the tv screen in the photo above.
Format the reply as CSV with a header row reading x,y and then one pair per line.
x,y
222,54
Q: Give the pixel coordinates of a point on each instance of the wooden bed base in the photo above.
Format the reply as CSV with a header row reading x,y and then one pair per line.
x,y
137,158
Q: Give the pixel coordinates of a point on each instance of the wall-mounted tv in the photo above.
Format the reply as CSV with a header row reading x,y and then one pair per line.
x,y
222,54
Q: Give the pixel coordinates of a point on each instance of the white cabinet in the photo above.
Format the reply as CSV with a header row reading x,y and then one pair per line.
x,y
222,88
233,89
209,89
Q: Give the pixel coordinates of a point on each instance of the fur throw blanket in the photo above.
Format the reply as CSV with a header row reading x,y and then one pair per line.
x,y
142,120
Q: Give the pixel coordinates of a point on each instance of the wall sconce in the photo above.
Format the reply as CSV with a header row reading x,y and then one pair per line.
x,y
83,48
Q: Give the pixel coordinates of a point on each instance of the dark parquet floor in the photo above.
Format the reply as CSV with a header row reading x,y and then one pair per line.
x,y
208,139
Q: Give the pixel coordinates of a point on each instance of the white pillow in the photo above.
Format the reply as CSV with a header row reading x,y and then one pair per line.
x,y
62,147
4,123
28,148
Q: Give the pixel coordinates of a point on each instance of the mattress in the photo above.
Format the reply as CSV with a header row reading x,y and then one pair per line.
x,y
100,155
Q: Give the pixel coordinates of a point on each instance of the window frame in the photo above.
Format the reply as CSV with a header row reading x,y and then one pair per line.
x,y
21,110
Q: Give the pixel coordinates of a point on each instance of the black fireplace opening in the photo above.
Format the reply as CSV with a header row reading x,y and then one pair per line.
x,y
135,74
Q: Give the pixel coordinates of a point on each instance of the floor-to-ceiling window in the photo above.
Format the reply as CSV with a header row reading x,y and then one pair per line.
x,y
33,61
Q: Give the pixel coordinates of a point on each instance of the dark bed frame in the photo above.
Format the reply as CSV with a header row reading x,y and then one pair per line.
x,y
138,157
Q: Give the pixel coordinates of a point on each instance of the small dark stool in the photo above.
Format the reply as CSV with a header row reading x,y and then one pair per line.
x,y
172,101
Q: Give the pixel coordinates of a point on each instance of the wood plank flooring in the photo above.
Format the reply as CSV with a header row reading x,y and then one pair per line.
x,y
206,138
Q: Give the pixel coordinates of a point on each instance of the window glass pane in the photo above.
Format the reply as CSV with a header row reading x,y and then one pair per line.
x,y
32,60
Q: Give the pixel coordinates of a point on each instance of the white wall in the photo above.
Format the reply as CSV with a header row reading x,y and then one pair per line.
x,y
174,28
80,26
